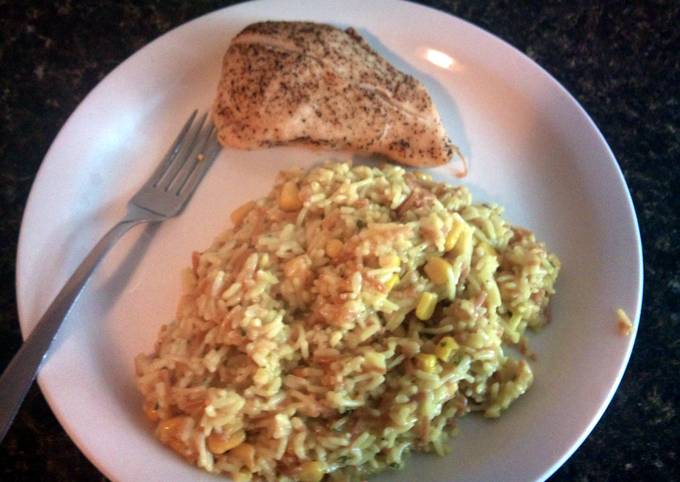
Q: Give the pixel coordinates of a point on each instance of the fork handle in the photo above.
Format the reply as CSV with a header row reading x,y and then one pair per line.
x,y
21,371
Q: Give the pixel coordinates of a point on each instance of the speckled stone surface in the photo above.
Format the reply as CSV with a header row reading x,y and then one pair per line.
x,y
621,61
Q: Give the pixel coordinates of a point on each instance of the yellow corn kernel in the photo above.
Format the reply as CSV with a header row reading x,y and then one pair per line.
x,y
240,477
238,214
246,453
454,234
438,270
426,305
264,260
375,360
218,443
445,348
389,261
312,472
427,362
289,197
392,282
333,248
463,246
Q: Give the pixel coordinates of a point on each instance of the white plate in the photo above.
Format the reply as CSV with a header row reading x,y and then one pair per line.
x,y
532,149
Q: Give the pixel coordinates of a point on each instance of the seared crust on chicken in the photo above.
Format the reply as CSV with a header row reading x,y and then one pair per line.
x,y
286,82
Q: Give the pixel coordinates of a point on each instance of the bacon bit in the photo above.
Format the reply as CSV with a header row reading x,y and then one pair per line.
x,y
424,428
348,255
315,318
194,406
518,234
371,261
329,222
345,256
288,465
537,296
418,198
411,180
405,293
330,380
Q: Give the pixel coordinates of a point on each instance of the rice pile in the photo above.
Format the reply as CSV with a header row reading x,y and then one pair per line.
x,y
346,320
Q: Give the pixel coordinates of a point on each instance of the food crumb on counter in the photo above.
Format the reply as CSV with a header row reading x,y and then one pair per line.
x,y
623,323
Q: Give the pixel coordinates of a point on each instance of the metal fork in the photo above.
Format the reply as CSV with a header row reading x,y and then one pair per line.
x,y
164,195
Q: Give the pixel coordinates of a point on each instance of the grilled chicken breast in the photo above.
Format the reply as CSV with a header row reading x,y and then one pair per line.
x,y
286,82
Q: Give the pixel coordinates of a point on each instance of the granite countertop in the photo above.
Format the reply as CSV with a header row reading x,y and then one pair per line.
x,y
621,61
